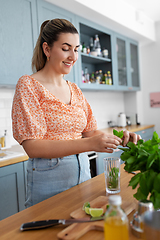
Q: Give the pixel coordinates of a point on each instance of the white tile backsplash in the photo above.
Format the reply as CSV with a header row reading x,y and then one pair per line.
x,y
105,105
6,98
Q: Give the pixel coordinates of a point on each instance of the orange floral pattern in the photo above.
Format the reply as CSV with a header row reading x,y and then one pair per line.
x,y
38,114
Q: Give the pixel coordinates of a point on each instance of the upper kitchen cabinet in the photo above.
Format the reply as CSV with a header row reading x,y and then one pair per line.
x,y
18,34
126,63
47,11
90,67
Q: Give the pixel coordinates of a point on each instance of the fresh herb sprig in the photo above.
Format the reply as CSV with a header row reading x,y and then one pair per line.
x,y
144,157
113,178
118,133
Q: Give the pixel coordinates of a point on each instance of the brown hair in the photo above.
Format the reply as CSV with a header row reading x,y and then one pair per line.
x,y
49,33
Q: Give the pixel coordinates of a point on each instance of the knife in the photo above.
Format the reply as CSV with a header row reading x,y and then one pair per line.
x,y
52,222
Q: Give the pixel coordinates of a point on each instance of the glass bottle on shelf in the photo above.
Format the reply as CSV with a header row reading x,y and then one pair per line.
x,y
116,221
84,49
86,75
88,49
106,78
100,75
83,78
97,45
91,45
97,77
92,78
109,78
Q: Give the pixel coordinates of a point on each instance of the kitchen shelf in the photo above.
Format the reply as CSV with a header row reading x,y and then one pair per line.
x,y
93,59
88,30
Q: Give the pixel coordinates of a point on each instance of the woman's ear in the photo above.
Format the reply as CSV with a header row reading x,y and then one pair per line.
x,y
46,49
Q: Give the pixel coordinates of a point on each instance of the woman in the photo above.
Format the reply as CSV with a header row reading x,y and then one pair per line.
x,y
52,119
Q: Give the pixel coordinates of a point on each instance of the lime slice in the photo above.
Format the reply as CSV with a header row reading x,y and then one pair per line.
x,y
96,212
86,204
86,209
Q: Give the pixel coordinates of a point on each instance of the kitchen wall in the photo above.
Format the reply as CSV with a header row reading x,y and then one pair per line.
x,y
150,78
105,106
6,97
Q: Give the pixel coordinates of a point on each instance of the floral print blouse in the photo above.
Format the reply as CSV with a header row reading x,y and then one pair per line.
x,y
38,114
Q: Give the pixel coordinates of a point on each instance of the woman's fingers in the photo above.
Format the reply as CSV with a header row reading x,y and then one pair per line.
x,y
129,136
111,142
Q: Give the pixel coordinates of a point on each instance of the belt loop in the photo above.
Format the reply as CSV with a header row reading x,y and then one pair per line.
x,y
77,155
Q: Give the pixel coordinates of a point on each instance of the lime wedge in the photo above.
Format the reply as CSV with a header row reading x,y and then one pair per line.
x,y
86,209
96,212
86,204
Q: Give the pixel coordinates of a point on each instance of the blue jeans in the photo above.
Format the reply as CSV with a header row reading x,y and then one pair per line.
x,y
48,177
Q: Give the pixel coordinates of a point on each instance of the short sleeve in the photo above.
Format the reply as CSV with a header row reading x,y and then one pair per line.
x,y
28,120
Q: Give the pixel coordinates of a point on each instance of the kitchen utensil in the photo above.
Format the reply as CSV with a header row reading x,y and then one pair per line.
x,y
136,223
151,225
76,230
128,121
52,222
121,120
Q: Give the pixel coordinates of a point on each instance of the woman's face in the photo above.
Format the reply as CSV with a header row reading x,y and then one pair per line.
x,y
64,53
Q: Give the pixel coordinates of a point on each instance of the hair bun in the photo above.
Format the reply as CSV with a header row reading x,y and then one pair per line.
x,y
44,24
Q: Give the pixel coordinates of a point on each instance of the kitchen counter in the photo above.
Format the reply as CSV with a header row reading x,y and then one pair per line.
x,y
24,157
62,205
132,128
13,155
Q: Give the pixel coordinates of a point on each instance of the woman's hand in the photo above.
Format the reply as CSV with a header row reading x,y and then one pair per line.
x,y
130,137
105,142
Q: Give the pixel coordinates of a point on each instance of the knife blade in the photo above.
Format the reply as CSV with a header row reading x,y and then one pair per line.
x,y
52,222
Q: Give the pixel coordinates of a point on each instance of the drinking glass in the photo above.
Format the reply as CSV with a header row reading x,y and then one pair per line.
x,y
112,174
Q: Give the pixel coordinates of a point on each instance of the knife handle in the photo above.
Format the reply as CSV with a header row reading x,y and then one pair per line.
x,y
38,224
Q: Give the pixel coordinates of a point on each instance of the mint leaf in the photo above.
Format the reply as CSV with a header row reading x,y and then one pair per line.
x,y
139,195
156,183
134,181
118,134
131,159
151,159
150,179
143,186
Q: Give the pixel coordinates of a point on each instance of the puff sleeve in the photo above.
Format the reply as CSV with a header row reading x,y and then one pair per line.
x,y
28,120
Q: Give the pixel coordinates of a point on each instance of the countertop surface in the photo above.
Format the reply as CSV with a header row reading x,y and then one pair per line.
x,y
132,128
22,156
62,205
13,155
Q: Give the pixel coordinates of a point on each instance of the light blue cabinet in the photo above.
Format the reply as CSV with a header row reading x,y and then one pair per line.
x,y
47,11
21,21
101,156
88,30
12,189
146,134
18,34
126,63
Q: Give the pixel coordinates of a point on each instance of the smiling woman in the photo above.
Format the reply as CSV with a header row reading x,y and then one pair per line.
x,y
53,120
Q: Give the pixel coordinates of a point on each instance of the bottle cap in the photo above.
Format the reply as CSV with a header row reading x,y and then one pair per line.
x,y
115,200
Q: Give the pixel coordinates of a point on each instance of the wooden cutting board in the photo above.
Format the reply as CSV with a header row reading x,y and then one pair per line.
x,y
76,230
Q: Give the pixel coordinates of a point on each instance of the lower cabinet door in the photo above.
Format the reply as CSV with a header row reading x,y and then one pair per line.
x,y
12,190
101,156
